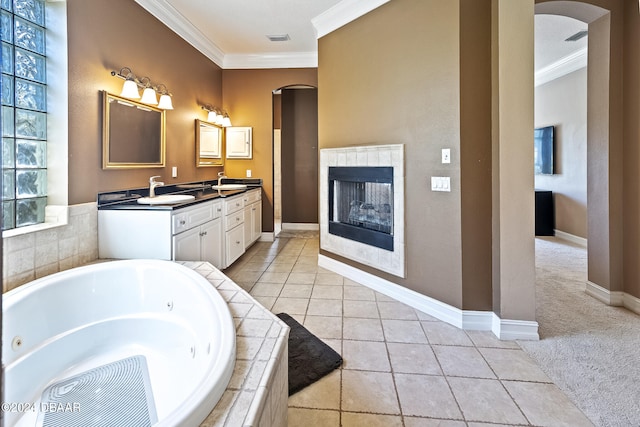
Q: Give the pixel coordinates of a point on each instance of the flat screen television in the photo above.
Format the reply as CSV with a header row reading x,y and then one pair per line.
x,y
543,150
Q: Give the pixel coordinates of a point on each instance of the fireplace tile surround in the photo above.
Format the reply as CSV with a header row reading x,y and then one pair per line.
x,y
392,262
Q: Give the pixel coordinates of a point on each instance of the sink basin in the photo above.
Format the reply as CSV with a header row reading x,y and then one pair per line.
x,y
165,199
229,187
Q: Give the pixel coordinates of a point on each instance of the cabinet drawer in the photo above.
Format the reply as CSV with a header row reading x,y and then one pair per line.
x,y
233,220
192,217
252,196
217,209
234,244
233,205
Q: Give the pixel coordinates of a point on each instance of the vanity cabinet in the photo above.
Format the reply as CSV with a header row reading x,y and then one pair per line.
x,y
202,240
252,216
212,231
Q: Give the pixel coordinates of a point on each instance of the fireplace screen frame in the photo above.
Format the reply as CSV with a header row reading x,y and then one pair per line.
x,y
360,174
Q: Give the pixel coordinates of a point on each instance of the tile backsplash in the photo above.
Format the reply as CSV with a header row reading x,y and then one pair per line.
x,y
33,255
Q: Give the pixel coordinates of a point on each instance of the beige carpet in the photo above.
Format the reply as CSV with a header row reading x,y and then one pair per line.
x,y
590,350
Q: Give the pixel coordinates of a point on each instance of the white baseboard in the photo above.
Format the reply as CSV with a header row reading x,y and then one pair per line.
x,y
571,238
613,298
299,226
504,329
267,236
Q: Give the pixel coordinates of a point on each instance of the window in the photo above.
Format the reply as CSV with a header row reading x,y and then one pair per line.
x,y
24,118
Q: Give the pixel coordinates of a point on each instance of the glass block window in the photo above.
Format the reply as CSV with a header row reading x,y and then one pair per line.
x,y
24,113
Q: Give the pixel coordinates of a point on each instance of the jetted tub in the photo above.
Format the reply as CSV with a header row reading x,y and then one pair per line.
x,y
61,327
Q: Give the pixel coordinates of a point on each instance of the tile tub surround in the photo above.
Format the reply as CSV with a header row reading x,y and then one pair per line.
x,y
376,155
401,366
29,256
257,392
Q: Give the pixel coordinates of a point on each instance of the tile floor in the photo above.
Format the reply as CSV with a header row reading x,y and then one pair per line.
x,y
401,367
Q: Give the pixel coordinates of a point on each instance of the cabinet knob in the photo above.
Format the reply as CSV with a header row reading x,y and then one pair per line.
x,y
183,222
237,242
238,219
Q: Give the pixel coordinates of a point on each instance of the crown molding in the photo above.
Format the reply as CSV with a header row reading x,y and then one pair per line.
x,y
170,17
271,60
562,67
343,13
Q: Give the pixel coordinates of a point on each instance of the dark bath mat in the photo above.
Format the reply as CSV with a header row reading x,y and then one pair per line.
x,y
309,358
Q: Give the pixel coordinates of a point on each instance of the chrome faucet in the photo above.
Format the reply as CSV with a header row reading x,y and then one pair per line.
x,y
221,175
153,184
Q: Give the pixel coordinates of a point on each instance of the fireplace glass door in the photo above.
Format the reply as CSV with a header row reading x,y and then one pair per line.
x,y
361,204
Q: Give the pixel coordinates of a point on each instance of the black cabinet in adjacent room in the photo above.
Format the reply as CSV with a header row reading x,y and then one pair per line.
x,y
545,219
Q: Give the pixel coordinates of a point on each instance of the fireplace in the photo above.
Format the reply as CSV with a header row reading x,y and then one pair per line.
x,y
361,204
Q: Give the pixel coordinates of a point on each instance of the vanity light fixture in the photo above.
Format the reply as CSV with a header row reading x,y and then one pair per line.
x,y
216,116
130,89
148,94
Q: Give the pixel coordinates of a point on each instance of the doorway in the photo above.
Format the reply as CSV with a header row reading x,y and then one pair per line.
x,y
295,163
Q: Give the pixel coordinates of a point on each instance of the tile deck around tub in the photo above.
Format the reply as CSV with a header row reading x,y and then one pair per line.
x,y
257,392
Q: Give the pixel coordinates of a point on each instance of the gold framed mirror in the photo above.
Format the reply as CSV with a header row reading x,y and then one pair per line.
x,y
133,134
208,144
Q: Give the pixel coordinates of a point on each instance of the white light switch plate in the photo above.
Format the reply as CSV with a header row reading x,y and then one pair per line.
x,y
446,155
440,183
174,172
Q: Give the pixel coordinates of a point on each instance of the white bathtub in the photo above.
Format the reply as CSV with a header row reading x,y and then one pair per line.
x,y
68,323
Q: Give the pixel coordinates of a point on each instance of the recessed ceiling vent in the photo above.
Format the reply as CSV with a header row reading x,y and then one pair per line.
x,y
577,36
279,37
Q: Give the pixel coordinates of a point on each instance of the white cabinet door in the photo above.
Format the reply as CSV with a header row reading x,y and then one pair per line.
x,y
234,244
186,246
211,243
238,142
256,220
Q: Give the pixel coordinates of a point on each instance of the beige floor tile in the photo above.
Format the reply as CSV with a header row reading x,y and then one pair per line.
x,y
304,268
267,302
290,306
362,309
513,365
426,396
299,417
546,405
373,392
301,278
396,310
329,279
308,259
445,334
274,277
323,394
264,289
335,344
244,276
489,340
255,266
296,291
383,297
462,362
279,268
485,400
430,422
327,292
365,356
362,329
358,293
351,419
408,331
326,307
324,326
413,359
285,258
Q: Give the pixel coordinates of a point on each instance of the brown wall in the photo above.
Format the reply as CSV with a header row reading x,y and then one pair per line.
x,y
632,149
300,156
392,76
248,98
107,35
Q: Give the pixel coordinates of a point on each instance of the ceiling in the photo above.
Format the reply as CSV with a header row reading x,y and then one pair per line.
x,y
234,33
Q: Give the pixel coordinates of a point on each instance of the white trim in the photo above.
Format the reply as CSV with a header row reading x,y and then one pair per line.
x,y
173,19
299,226
271,60
343,13
561,67
464,319
267,236
613,298
571,238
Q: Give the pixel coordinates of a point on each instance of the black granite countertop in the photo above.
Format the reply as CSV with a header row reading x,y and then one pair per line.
x,y
201,190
